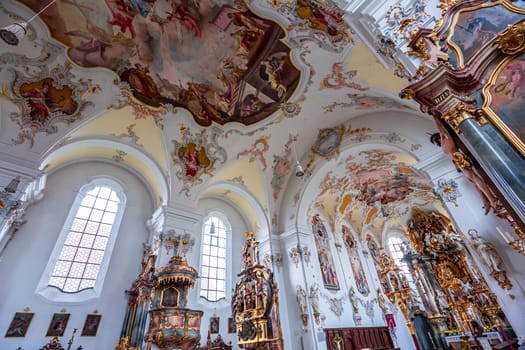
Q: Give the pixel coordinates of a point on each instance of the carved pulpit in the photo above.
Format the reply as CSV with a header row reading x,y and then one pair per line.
x,y
255,305
172,324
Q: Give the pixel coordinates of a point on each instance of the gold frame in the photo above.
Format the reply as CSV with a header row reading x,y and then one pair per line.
x,y
30,316
88,332
452,44
494,118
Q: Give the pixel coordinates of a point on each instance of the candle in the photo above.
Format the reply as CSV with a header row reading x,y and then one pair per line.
x,y
506,236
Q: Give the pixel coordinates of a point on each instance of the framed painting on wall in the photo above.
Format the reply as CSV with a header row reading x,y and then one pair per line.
x,y
503,100
231,325
91,325
58,325
19,324
214,325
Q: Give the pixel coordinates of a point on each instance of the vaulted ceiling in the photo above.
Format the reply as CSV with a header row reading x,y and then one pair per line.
x,y
216,98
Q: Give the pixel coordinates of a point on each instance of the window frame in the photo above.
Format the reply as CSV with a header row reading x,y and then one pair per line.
x,y
398,262
228,261
54,294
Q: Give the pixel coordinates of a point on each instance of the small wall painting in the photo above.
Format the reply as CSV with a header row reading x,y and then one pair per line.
x,y
328,141
91,325
231,325
214,325
58,325
19,324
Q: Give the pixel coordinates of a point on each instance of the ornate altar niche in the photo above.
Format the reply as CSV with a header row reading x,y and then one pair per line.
x,y
471,80
172,325
255,304
457,297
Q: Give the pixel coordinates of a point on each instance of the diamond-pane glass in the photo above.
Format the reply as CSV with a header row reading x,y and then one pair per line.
x,y
85,284
112,207
104,230
71,285
105,192
87,241
92,227
78,225
78,264
88,201
73,238
213,262
83,212
96,215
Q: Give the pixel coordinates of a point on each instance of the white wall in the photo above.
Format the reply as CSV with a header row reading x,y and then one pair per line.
x,y
28,254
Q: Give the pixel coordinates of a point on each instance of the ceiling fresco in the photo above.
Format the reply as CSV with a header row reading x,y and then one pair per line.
x,y
45,99
203,94
376,186
217,59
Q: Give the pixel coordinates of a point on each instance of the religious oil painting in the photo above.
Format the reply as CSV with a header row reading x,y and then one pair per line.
x,y
58,324
91,324
231,325
328,141
355,261
19,325
476,26
324,252
217,59
504,96
214,325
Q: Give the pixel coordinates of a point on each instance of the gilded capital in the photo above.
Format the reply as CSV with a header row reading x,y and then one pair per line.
x,y
459,113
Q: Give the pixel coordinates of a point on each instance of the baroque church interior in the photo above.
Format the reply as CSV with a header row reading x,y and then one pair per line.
x,y
262,174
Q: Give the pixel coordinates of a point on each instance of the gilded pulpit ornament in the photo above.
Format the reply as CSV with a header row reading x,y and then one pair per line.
x,y
512,40
255,303
172,324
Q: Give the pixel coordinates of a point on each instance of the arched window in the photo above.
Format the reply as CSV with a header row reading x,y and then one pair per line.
x,y
395,244
80,258
213,273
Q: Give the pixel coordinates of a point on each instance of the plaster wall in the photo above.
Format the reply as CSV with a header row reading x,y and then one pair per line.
x,y
27,255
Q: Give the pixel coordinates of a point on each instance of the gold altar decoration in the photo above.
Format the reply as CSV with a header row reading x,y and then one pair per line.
x,y
255,304
512,40
395,286
457,292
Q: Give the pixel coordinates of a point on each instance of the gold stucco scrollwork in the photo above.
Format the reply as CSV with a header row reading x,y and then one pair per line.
x,y
512,40
459,113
